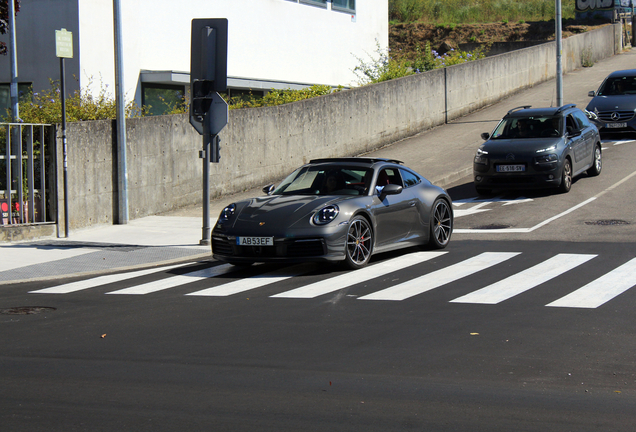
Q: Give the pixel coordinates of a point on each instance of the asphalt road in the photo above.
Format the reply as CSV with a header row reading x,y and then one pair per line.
x,y
525,323
245,351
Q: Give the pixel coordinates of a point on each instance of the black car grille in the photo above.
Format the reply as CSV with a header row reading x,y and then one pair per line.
x,y
297,248
305,248
616,116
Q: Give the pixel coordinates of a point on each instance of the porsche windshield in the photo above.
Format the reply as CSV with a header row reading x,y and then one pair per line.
x,y
528,127
326,180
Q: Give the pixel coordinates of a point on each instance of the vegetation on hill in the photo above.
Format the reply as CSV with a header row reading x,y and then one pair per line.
x,y
476,11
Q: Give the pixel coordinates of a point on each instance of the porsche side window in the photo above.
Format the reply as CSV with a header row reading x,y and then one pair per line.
x,y
409,178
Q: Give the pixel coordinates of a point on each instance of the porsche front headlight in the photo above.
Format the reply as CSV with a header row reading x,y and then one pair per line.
x,y
326,215
227,213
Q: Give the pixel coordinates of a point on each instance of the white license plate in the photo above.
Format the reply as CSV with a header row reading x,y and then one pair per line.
x,y
615,125
511,168
255,241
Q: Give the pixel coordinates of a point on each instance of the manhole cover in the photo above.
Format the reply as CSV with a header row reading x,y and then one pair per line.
x,y
607,222
26,310
492,227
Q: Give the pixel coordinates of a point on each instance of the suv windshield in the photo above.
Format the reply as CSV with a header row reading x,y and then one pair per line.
x,y
326,180
528,127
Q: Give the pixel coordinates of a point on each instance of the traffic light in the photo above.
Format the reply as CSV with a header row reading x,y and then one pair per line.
x,y
202,95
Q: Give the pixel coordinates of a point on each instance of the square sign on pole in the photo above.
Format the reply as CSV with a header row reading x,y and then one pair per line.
x,y
63,43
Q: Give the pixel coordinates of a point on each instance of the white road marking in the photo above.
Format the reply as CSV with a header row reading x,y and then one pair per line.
x,y
601,290
441,277
175,281
525,280
253,282
547,221
358,276
101,280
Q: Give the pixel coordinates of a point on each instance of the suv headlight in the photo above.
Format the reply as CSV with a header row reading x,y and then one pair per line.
x,y
481,157
326,215
548,158
227,213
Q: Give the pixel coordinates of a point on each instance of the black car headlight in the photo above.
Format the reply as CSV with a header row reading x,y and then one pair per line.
x,y
548,158
326,215
227,213
481,157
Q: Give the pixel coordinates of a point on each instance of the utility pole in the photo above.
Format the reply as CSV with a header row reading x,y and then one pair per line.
x,y
122,171
559,52
15,111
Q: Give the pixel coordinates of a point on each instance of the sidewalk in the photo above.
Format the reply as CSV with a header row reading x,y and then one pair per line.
x,y
443,155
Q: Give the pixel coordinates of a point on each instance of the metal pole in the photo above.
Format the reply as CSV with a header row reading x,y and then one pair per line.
x,y
122,172
559,49
207,140
15,112
64,148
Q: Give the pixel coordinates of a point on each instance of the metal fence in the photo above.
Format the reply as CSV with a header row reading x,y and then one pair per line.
x,y
27,173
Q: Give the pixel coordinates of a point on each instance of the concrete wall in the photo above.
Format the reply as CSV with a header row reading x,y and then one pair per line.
x,y
259,145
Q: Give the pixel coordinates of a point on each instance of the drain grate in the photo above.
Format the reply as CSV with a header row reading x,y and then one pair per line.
x,y
26,310
607,222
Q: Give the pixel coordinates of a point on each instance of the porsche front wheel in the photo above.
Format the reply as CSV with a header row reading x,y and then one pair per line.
x,y
441,224
359,243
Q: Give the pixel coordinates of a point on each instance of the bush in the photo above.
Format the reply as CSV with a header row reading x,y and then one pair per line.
x,y
384,67
46,106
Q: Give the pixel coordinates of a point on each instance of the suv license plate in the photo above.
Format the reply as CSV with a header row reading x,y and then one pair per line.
x,y
511,168
255,241
615,125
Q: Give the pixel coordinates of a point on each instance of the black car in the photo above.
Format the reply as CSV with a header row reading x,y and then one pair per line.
x,y
615,102
534,148
341,209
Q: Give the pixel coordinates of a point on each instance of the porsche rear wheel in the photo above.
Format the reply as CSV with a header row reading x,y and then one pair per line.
x,y
359,243
441,224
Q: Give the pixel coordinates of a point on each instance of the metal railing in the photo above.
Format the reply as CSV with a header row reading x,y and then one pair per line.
x,y
27,173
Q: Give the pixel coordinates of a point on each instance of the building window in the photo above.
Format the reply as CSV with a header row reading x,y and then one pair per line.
x,y
160,99
322,3
24,90
344,5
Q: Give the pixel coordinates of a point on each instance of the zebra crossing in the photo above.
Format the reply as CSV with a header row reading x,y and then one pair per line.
x,y
593,294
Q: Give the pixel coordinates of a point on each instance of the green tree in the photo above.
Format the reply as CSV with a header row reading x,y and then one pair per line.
x,y
4,21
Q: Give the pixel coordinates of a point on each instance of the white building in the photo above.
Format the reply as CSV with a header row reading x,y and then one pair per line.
x,y
271,43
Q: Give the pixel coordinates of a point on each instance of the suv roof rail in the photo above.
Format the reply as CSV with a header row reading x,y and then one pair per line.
x,y
564,107
519,108
357,159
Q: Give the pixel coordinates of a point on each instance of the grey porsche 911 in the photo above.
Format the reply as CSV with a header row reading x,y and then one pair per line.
x,y
340,209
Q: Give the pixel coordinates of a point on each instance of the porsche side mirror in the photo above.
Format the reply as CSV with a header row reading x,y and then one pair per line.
x,y
485,136
390,189
269,189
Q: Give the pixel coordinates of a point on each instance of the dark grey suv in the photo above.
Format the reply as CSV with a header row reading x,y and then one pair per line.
x,y
615,102
533,148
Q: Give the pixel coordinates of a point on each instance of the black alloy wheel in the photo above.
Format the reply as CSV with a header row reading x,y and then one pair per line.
x,y
441,224
359,243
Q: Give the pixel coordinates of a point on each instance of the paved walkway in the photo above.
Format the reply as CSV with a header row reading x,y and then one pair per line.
x,y
443,155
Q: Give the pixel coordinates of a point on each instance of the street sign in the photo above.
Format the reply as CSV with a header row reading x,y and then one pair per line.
x,y
63,43
216,116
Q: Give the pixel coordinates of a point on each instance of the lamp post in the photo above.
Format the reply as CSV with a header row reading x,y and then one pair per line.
x,y
559,49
